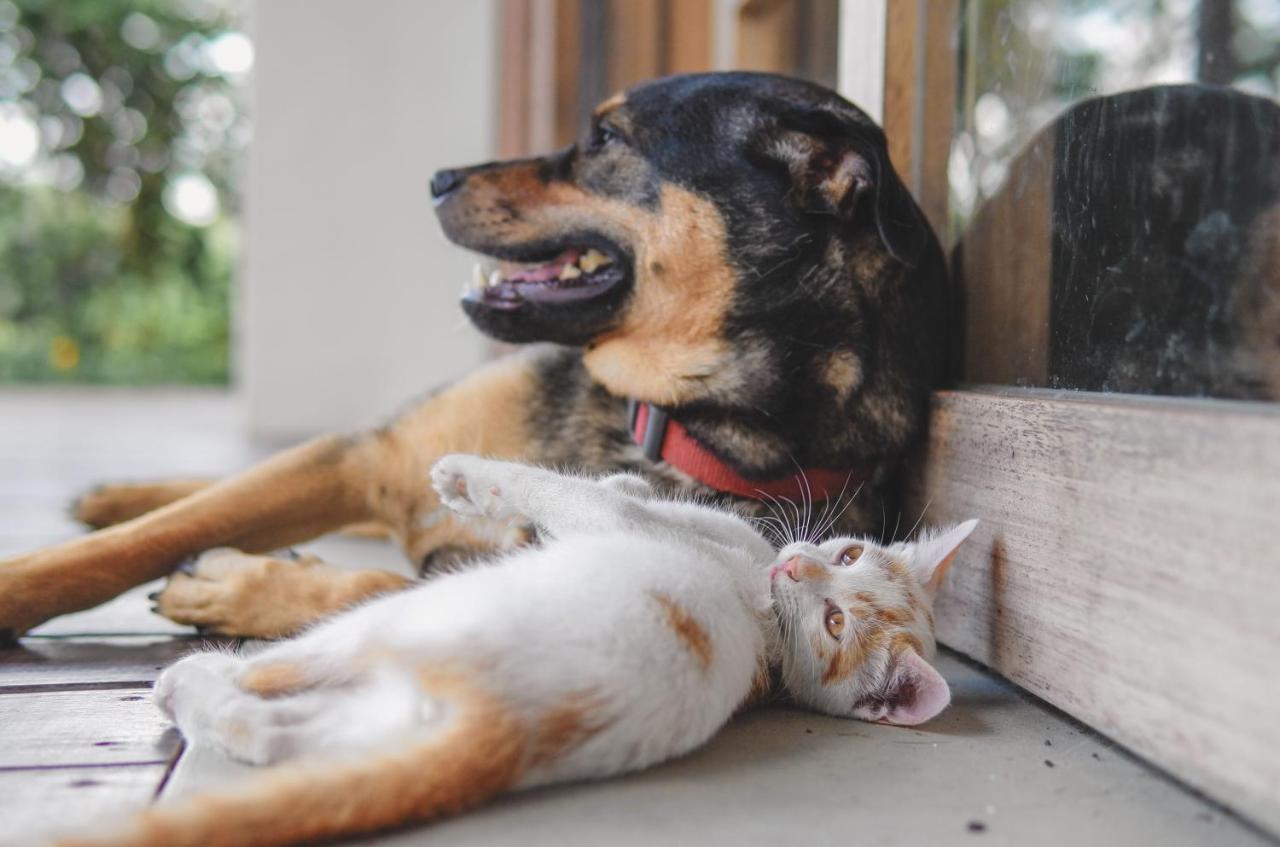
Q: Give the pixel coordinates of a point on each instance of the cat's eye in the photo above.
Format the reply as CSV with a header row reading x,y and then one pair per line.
x,y
834,621
851,554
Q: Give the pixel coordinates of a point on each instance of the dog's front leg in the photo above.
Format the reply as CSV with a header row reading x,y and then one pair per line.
x,y
114,503
304,492
297,495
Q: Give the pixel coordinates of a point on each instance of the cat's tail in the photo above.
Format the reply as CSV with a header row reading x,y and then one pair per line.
x,y
476,754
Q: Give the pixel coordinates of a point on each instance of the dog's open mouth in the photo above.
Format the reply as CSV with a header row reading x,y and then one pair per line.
x,y
570,275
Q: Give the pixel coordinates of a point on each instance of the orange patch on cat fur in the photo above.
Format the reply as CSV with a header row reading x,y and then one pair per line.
x,y
851,656
896,615
565,727
274,680
688,630
902,640
810,570
476,755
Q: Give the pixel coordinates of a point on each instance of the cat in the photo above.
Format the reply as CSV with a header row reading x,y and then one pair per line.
x,y
630,636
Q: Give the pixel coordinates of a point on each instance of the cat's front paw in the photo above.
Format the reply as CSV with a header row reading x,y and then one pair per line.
x,y
469,486
193,677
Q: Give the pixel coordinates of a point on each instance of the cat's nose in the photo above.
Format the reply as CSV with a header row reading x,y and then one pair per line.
x,y
797,568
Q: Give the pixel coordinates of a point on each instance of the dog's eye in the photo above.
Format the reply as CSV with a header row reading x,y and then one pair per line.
x,y
603,135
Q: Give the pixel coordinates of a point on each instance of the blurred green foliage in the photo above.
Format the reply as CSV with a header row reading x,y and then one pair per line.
x,y
120,127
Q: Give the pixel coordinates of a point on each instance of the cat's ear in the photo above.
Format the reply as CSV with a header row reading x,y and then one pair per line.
x,y
915,693
932,556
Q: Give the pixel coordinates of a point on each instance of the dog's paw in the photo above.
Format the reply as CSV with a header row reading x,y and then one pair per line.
x,y
469,485
226,592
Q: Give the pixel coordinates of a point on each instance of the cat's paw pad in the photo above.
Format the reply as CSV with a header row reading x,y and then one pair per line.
x,y
467,486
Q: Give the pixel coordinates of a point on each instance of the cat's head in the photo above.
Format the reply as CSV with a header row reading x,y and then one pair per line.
x,y
857,624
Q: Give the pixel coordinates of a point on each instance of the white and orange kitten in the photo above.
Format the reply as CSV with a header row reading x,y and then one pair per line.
x,y
629,637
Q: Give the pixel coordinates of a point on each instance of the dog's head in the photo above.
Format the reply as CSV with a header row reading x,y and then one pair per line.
x,y
700,224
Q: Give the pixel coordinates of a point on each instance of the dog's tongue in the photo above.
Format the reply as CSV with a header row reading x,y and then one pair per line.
x,y
543,273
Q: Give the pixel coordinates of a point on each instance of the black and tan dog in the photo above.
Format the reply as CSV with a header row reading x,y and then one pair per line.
x,y
743,289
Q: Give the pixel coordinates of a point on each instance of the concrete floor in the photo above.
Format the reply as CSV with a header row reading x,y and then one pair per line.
x,y
996,768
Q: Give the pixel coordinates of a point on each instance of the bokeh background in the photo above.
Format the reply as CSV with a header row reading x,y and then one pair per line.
x,y
122,131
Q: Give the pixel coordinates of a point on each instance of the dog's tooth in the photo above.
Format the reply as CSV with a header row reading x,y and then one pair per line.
x,y
570,272
592,260
495,277
477,276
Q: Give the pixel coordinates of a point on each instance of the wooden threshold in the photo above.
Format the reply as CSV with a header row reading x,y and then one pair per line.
x,y
1126,570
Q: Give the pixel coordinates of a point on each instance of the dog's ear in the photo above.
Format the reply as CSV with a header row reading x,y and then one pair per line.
x,y
841,166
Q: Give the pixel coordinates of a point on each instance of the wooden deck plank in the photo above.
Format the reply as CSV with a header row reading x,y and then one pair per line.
x,y
86,661
82,728
68,798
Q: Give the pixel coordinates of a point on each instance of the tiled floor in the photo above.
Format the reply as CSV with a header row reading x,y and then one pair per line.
x,y
79,737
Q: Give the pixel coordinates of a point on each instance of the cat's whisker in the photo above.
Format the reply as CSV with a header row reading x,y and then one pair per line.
x,y
806,499
795,511
775,514
832,511
770,525
915,525
782,516
839,511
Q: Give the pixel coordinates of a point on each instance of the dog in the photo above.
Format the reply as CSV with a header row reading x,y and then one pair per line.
x,y
725,287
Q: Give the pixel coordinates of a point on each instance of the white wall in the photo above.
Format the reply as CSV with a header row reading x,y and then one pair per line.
x,y
348,303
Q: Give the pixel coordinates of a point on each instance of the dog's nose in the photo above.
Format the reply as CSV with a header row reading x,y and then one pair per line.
x,y
444,182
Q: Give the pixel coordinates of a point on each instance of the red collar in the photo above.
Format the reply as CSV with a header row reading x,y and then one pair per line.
x,y
665,440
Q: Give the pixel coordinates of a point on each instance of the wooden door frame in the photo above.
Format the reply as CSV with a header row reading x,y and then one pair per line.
x,y
1126,569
